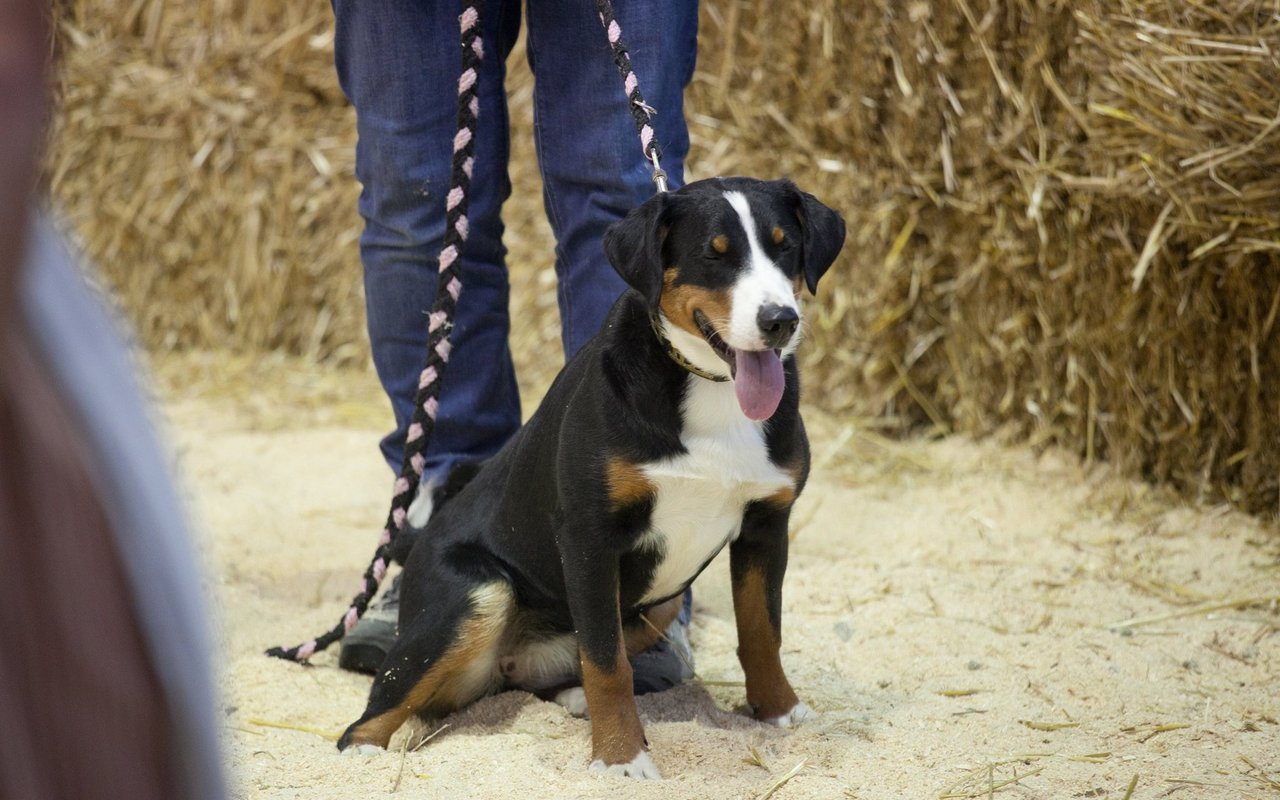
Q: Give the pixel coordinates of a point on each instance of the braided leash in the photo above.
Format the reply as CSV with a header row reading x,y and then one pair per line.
x,y
449,287
640,111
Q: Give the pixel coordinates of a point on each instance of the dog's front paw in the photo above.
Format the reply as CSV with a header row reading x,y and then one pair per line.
x,y
365,750
641,766
574,701
798,713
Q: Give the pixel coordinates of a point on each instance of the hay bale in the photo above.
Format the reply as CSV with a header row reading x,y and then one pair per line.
x,y
1062,219
204,154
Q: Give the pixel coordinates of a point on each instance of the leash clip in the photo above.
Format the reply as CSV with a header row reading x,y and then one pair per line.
x,y
659,174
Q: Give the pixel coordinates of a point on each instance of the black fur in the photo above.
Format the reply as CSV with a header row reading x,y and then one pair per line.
x,y
538,516
823,237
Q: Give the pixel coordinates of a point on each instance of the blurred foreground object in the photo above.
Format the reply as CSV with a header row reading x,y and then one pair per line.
x,y
105,688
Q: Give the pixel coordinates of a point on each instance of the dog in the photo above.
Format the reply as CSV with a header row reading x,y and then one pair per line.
x,y
672,433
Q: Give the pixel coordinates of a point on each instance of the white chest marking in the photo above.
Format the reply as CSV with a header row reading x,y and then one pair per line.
x,y
701,494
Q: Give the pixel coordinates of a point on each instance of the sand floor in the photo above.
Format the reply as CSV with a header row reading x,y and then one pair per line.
x,y
967,618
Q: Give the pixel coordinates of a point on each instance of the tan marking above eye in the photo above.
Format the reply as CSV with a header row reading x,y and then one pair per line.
x,y
778,235
720,243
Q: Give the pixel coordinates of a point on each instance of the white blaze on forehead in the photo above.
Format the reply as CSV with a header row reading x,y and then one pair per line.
x,y
761,283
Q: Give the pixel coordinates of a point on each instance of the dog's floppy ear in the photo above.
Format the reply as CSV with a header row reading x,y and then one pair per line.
x,y
633,246
823,236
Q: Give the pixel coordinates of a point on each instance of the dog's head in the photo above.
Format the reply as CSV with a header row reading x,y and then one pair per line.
x,y
723,260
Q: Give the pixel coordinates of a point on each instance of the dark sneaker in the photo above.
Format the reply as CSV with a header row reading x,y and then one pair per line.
x,y
364,648
670,661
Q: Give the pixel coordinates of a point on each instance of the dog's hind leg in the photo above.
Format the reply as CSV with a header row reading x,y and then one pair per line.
x,y
445,659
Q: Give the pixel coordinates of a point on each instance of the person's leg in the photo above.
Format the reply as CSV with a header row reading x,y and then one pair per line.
x,y
594,171
593,168
398,62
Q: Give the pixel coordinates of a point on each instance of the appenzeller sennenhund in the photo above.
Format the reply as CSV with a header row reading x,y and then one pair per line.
x,y
672,433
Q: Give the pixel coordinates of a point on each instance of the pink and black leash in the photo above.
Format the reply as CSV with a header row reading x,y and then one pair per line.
x,y
641,112
449,288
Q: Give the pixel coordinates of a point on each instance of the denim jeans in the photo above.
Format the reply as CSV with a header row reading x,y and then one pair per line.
x,y
398,63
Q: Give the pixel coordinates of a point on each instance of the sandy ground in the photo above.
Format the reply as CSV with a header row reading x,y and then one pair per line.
x,y
967,618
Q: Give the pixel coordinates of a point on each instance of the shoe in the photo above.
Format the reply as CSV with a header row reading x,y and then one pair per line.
x,y
669,662
368,643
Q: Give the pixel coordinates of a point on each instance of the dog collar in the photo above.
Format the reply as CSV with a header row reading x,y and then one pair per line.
x,y
676,355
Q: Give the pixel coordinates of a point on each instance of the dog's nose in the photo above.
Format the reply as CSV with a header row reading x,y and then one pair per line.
x,y
777,324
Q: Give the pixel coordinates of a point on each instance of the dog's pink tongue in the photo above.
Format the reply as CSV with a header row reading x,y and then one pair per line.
x,y
758,382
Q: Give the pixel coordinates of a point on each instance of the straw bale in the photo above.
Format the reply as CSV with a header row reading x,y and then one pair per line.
x,y
204,153
1063,219
1062,215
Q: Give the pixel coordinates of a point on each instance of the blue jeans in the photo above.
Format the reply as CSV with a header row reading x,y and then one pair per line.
x,y
398,63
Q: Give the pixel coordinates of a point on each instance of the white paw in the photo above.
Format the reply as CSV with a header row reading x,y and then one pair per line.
x,y
799,713
574,701
365,750
641,766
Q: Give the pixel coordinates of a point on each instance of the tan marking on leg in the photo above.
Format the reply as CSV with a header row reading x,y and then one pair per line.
x,y
626,483
679,302
642,635
786,496
464,673
617,736
783,497
768,690
378,730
